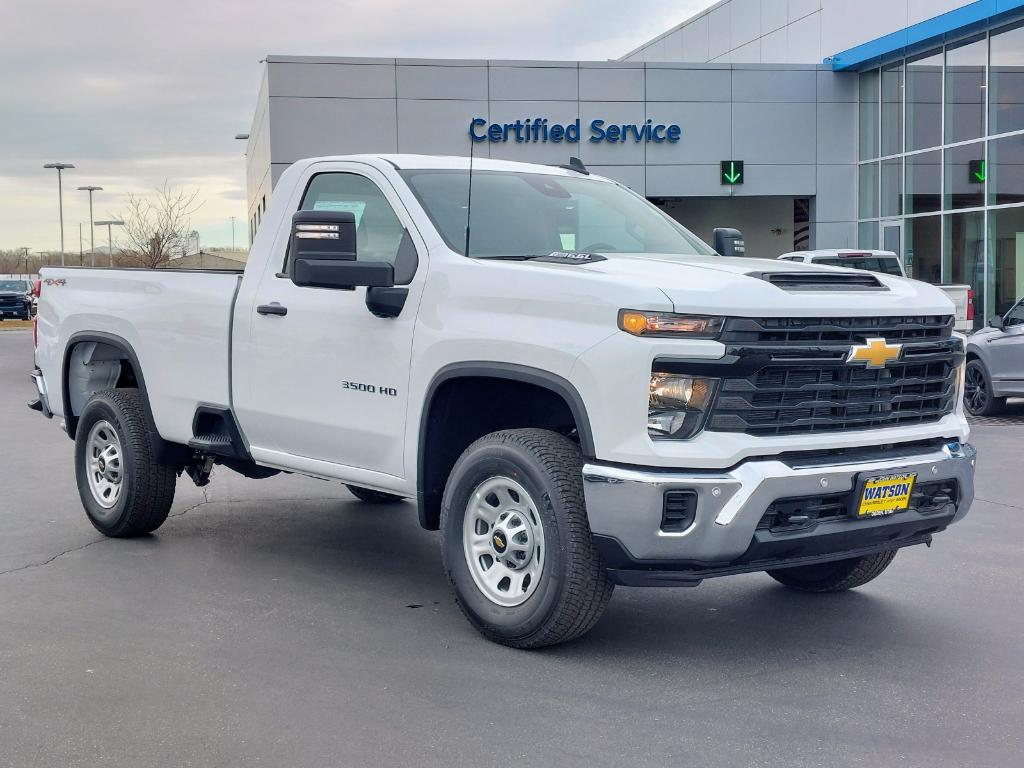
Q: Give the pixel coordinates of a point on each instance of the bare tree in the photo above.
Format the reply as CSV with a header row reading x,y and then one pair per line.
x,y
156,228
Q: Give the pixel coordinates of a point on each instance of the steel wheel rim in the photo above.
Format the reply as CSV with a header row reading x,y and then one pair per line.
x,y
976,390
503,541
104,464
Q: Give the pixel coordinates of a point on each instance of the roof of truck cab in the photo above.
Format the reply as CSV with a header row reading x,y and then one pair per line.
x,y
449,162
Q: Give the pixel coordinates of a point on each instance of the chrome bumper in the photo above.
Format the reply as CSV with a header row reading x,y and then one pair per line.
x,y
626,504
42,404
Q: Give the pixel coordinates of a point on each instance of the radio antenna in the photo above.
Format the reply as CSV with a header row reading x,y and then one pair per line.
x,y
469,200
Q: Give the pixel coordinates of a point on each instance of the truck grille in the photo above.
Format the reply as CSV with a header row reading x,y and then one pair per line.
x,y
791,375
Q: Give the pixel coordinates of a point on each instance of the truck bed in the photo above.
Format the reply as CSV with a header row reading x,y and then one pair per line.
x,y
176,322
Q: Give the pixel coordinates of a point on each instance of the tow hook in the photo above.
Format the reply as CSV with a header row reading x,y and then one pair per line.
x,y
200,470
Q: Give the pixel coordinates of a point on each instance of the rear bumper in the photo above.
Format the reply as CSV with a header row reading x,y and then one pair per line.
x,y
625,507
42,403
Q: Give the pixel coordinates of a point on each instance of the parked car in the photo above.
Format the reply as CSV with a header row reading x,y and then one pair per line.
x,y
574,389
16,299
888,263
995,363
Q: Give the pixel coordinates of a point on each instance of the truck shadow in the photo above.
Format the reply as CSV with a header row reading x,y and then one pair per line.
x,y
344,551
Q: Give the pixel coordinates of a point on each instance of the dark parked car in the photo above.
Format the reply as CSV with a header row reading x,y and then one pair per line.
x,y
995,363
15,299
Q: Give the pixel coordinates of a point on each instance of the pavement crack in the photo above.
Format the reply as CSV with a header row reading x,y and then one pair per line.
x,y
50,560
998,503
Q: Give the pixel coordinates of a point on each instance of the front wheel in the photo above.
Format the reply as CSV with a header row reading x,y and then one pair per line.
x,y
837,576
124,489
516,543
978,397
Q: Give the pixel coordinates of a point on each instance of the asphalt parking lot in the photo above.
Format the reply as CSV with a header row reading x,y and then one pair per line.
x,y
283,623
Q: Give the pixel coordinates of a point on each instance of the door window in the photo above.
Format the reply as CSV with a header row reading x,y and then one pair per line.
x,y
1015,316
378,229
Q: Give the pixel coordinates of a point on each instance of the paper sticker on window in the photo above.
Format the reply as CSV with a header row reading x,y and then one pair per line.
x,y
568,241
356,207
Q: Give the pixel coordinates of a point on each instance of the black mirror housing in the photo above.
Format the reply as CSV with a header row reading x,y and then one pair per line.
x,y
346,275
323,235
322,253
996,322
729,242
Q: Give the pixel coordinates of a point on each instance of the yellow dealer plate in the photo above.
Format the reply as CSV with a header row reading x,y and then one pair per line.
x,y
886,495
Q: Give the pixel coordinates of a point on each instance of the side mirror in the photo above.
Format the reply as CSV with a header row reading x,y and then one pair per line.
x,y
996,322
323,253
729,242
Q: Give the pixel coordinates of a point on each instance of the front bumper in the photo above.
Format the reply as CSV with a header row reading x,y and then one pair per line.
x,y
625,507
15,309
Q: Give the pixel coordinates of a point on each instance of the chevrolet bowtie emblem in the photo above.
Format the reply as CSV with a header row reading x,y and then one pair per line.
x,y
876,353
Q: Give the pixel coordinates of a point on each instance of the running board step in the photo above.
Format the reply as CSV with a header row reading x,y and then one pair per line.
x,y
218,444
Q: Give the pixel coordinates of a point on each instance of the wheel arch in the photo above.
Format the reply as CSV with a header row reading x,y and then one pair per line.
x,y
435,458
131,373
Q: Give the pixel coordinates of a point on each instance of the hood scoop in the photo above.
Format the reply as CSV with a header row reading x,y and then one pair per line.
x,y
820,281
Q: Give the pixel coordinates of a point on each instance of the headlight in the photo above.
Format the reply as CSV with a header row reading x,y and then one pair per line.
x,y
669,324
678,404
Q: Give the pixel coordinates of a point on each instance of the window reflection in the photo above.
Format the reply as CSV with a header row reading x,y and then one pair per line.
x,y
1006,170
1006,97
965,177
965,90
924,101
892,109
1006,259
869,114
965,254
924,182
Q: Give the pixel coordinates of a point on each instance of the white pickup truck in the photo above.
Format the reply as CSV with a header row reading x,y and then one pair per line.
x,y
573,388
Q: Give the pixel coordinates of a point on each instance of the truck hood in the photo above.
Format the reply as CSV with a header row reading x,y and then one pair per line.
x,y
738,286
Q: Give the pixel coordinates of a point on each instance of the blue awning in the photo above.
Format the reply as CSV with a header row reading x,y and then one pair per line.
x,y
978,14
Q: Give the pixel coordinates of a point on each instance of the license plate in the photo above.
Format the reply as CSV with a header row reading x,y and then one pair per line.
x,y
886,494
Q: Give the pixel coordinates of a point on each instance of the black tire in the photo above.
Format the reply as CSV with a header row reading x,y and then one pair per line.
x,y
371,496
978,397
837,576
572,589
147,486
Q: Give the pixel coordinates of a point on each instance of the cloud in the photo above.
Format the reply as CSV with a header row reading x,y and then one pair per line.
x,y
134,93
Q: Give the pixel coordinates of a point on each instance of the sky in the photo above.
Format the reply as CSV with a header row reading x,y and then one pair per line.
x,y
136,93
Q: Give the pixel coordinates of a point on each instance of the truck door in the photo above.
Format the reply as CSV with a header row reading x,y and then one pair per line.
x,y
1007,358
328,380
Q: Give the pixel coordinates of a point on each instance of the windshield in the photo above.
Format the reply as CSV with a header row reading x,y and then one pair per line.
x,y
869,264
15,286
534,214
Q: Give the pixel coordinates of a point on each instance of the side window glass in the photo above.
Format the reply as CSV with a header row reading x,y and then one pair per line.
x,y
378,229
1016,315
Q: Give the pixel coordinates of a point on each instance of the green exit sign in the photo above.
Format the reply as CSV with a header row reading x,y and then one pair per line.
x,y
731,172
977,170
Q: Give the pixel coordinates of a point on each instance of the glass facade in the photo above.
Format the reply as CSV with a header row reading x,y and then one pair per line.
x,y
941,177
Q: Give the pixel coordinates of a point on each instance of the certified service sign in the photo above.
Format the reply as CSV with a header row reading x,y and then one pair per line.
x,y
537,130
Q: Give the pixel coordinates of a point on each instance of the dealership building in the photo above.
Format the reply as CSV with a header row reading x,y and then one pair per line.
x,y
895,124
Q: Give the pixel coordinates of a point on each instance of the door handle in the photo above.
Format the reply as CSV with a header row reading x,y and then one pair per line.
x,y
273,308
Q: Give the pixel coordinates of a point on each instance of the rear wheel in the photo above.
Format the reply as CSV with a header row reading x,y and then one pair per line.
x,y
124,489
837,576
978,397
516,543
371,496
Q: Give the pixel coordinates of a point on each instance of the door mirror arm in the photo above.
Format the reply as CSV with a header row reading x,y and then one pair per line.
x,y
386,301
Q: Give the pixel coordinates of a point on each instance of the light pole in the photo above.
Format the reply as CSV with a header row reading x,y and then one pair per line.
x,y
92,229
233,232
60,201
110,238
